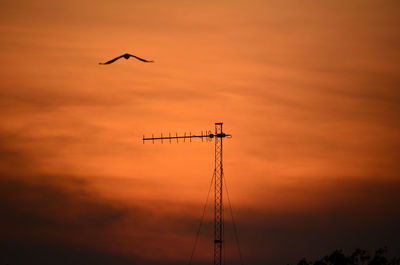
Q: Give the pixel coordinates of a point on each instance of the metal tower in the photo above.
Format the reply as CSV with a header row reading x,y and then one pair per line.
x,y
218,184
218,207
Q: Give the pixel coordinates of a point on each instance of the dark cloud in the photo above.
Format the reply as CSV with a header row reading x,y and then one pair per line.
x,y
340,214
38,203
54,219
32,252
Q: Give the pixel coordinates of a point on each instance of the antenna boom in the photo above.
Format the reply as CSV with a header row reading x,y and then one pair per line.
x,y
202,136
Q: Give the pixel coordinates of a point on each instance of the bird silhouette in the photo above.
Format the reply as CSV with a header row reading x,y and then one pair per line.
x,y
127,56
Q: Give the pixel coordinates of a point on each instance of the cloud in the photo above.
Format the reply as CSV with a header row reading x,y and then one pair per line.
x,y
25,251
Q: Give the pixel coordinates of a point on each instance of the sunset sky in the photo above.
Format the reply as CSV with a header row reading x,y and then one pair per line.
x,y
309,90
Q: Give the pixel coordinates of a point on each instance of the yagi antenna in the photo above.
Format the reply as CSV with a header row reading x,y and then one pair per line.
x,y
208,136
219,135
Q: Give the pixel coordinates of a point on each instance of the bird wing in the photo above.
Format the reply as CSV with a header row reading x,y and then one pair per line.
x,y
140,59
113,60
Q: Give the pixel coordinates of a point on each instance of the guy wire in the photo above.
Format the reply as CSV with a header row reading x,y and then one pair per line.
x,y
202,219
233,222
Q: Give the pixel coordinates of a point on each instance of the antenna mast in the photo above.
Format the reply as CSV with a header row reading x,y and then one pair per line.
x,y
218,184
218,207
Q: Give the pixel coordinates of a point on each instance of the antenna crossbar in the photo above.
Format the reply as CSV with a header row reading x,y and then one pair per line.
x,y
207,136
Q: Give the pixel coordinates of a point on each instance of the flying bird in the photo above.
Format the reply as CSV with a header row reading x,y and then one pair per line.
x,y
127,56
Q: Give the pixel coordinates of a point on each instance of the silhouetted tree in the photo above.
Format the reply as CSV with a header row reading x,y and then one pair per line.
x,y
358,257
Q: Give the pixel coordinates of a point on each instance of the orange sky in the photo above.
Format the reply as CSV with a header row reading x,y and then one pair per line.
x,y
308,89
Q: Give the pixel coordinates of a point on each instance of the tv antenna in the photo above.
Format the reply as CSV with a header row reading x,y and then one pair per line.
x,y
219,135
